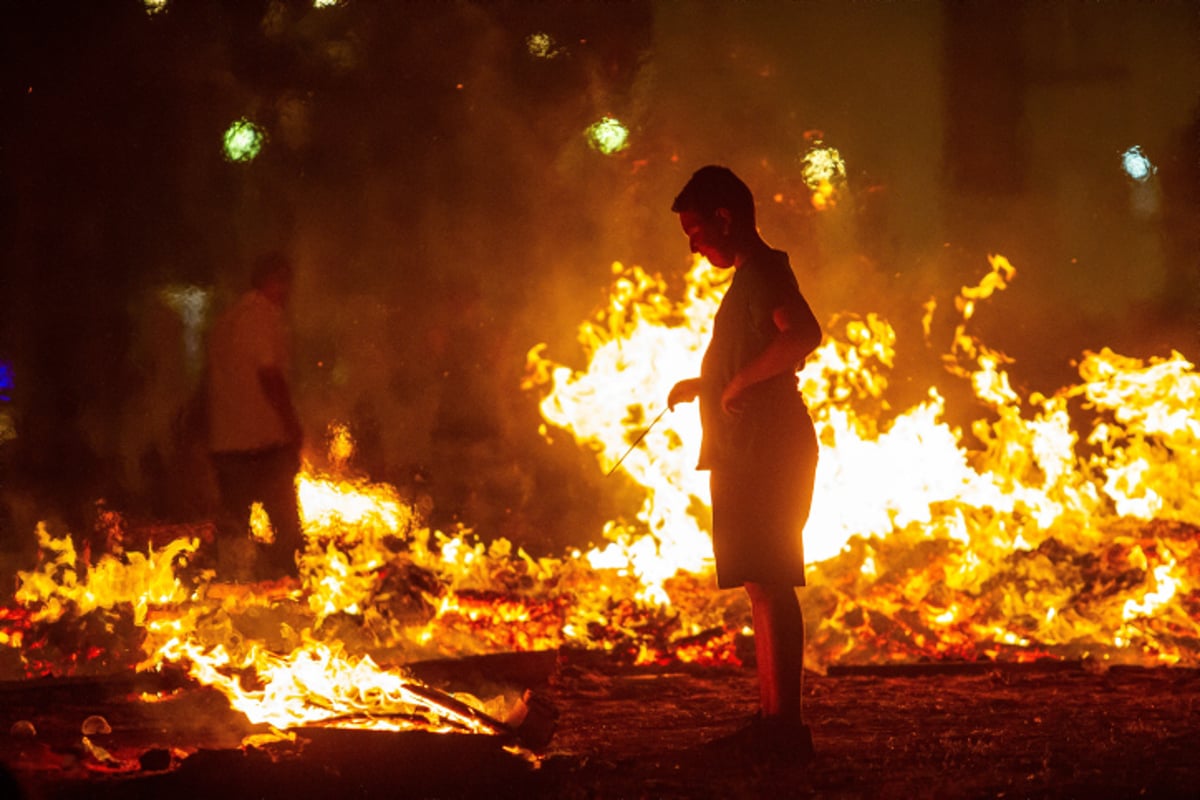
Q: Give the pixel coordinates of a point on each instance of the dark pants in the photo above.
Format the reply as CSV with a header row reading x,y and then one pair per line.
x,y
267,477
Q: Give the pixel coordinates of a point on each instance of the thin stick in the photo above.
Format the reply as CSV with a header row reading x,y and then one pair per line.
x,y
637,441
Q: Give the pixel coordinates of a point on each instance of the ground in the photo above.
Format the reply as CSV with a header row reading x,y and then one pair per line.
x,y
1050,730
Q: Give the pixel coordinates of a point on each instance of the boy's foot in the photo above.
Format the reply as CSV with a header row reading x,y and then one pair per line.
x,y
773,737
790,738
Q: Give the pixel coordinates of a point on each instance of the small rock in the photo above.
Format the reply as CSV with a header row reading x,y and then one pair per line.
x,y
22,729
95,725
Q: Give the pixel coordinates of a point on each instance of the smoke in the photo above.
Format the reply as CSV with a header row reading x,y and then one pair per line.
x,y
427,167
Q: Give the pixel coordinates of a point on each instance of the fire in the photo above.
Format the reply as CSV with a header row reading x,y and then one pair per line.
x,y
141,581
644,341
315,683
261,529
1040,540
348,526
1060,524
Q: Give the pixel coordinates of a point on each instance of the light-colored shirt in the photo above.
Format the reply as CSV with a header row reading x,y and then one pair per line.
x,y
250,336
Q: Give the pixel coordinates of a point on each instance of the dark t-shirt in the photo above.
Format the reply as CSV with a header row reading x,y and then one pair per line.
x,y
773,414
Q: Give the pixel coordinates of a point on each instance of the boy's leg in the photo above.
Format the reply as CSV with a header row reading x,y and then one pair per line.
x,y
779,649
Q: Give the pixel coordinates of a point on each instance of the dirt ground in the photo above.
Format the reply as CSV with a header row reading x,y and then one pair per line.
x,y
1040,731
1003,732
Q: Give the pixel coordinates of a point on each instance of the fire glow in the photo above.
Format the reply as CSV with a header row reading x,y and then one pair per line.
x,y
1036,542
1043,539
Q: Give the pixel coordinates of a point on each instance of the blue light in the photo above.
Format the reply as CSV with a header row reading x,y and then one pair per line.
x,y
6,382
1137,165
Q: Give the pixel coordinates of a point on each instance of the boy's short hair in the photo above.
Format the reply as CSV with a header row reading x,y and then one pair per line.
x,y
714,187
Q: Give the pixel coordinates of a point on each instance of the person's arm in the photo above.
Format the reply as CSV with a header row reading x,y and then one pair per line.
x,y
275,387
799,333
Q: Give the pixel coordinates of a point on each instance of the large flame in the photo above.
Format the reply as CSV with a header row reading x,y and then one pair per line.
x,y
1061,524
1030,543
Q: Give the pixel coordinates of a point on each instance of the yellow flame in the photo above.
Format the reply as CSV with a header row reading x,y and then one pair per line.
x,y
62,583
341,445
261,529
1042,537
983,516
316,682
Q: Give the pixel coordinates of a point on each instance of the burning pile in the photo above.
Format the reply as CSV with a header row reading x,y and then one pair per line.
x,y
1045,539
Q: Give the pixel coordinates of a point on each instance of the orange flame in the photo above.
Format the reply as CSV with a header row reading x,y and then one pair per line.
x,y
1046,537
920,546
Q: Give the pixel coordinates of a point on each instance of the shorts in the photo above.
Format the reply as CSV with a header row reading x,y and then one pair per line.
x,y
758,518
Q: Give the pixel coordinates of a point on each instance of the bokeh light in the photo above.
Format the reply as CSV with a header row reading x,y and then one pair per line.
x,y
824,173
6,381
8,430
542,45
608,136
243,141
154,6
823,164
1137,165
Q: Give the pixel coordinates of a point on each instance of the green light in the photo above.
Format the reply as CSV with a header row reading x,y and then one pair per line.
x,y
608,136
243,141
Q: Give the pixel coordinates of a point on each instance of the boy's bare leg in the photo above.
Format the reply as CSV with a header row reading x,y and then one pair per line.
x,y
779,649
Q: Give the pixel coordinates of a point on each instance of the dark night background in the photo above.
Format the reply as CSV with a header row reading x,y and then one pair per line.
x,y
431,177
